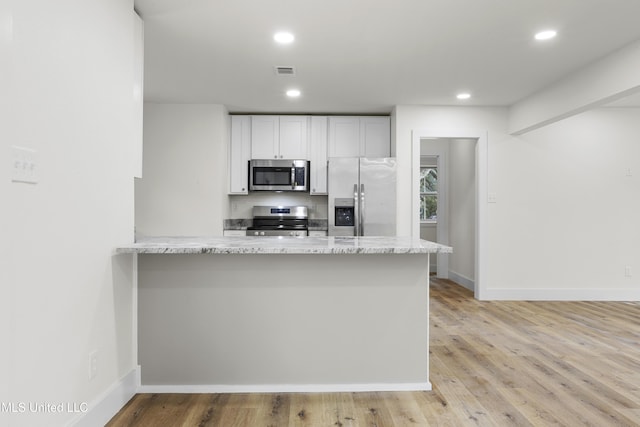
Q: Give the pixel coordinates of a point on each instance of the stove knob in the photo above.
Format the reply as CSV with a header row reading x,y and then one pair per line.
x,y
262,233
292,233
255,233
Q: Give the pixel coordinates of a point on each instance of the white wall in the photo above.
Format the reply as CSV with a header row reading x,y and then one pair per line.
x,y
414,117
541,239
566,205
183,191
462,209
63,293
184,186
7,318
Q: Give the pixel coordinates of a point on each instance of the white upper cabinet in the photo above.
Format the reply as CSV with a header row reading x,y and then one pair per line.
x,y
265,137
279,137
313,138
366,136
318,155
344,136
375,136
239,154
294,137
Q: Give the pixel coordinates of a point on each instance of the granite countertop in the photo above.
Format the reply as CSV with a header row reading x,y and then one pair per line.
x,y
283,245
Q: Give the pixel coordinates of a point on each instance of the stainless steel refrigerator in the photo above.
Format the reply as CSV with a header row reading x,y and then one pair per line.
x,y
362,196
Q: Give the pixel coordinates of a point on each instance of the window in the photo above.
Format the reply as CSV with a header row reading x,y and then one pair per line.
x,y
428,194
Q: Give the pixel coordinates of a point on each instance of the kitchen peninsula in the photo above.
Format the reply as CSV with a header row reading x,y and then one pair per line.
x,y
242,314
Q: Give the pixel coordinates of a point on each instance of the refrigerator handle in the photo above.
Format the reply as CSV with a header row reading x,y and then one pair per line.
x,y
362,209
356,213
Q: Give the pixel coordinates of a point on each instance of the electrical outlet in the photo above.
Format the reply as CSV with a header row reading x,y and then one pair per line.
x,y
492,198
627,271
93,365
24,165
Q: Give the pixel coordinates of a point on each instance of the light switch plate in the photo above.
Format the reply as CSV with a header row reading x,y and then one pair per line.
x,y
24,165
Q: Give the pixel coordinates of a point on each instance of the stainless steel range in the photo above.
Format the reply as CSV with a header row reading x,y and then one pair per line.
x,y
279,221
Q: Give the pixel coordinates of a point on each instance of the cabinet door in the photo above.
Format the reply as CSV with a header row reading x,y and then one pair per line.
x,y
318,155
265,136
293,137
375,137
344,136
239,154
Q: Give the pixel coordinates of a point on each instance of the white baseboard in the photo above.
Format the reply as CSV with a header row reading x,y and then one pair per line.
x,y
561,294
105,406
285,388
462,280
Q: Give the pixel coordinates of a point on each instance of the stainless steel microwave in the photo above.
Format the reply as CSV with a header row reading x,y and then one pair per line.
x,y
279,175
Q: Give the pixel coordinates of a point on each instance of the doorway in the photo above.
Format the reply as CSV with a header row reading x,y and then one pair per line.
x,y
461,161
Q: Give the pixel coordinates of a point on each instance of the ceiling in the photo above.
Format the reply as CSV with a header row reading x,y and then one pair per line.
x,y
365,56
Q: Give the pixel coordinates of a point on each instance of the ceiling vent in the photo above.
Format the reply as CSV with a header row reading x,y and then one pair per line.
x,y
285,71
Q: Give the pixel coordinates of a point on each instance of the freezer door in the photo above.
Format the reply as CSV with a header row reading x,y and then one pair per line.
x,y
377,197
343,177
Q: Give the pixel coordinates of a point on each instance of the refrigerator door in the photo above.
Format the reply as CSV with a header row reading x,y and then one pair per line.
x,y
377,197
343,179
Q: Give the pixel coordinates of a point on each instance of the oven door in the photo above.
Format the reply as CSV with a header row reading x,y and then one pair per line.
x,y
278,175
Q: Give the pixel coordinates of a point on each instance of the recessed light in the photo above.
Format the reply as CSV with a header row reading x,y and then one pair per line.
x,y
546,35
463,95
283,37
293,93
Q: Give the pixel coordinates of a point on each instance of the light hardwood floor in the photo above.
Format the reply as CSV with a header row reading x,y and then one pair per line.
x,y
492,364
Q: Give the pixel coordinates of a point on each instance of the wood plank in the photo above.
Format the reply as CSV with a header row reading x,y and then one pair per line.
x,y
371,410
492,363
206,410
404,409
306,409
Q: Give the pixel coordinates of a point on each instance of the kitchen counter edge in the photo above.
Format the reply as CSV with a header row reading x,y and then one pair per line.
x,y
287,245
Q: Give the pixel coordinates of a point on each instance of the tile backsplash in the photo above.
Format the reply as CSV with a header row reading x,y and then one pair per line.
x,y
241,206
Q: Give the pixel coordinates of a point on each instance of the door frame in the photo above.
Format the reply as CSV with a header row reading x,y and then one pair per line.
x,y
482,169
